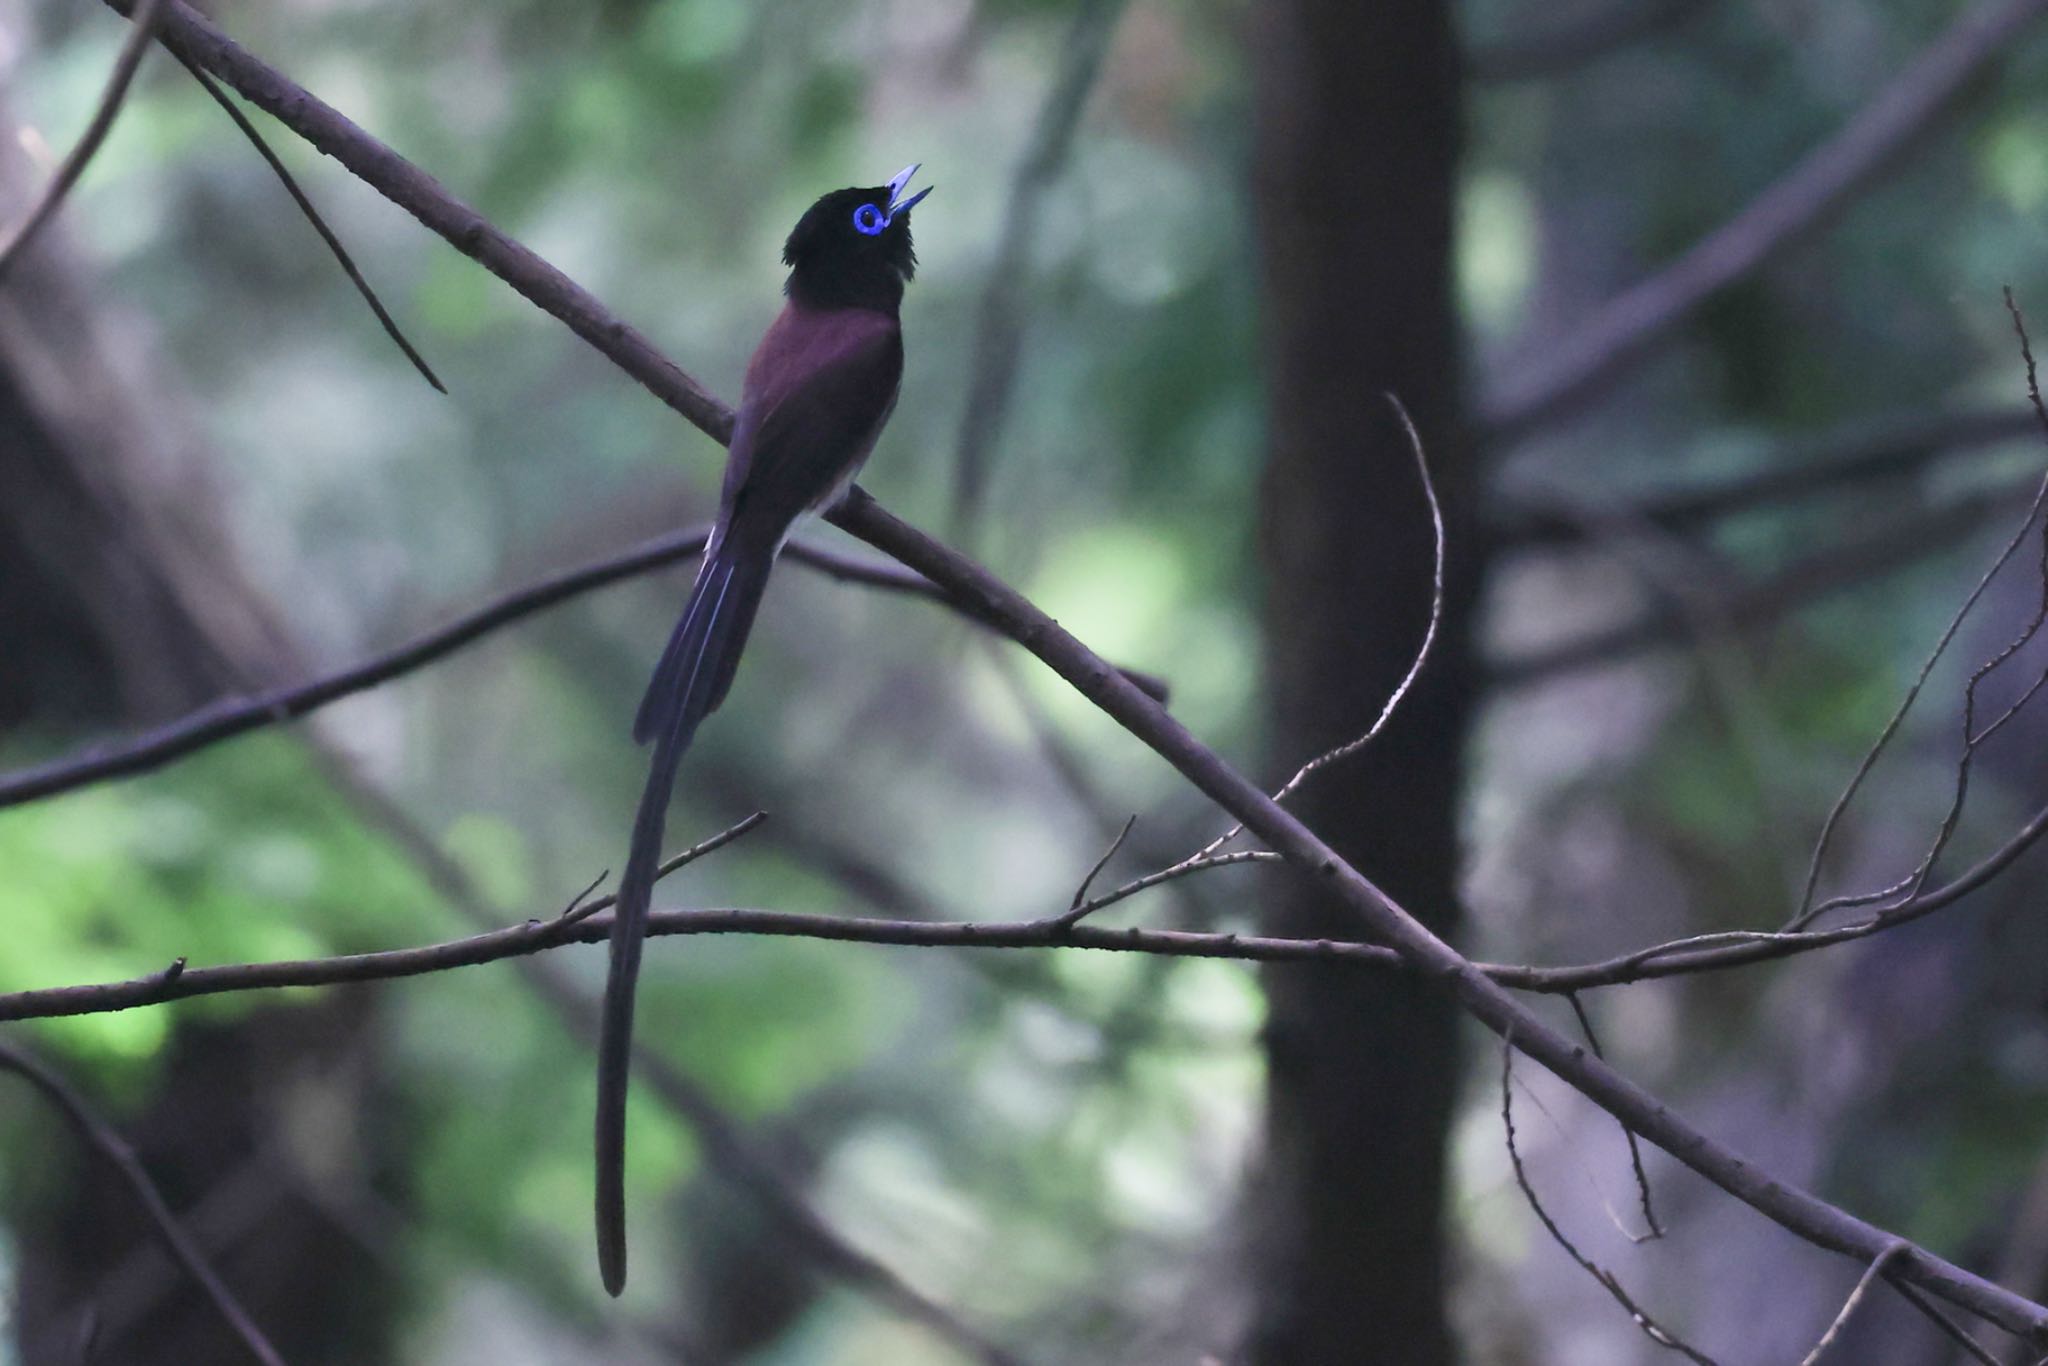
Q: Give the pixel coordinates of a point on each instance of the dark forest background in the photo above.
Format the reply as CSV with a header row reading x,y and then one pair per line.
x,y
1176,254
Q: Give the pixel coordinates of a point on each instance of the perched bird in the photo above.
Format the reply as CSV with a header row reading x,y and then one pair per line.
x,y
819,389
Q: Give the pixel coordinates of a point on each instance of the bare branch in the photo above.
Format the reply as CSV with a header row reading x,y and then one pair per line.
x,y
340,253
1185,868
102,1139
73,166
1738,948
999,330
1658,1334
185,31
1436,616
230,717
1863,1284
225,719
590,927
1853,563
1949,1327
1635,1151
1079,907
1387,922
1913,883
582,924
1566,370
581,908
1861,452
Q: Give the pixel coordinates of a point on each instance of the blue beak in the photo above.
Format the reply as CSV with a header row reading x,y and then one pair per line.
x,y
898,205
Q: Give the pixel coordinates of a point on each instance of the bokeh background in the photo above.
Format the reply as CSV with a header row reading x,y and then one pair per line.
x,y
1175,254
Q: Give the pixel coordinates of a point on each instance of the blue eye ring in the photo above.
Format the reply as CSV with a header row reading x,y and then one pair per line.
x,y
869,220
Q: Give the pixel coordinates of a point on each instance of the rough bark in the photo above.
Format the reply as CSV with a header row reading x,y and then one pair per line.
x,y
1357,144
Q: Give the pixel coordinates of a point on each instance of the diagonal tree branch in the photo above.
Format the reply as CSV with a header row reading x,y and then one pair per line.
x,y
1382,919
117,1154
312,215
1569,369
88,145
187,33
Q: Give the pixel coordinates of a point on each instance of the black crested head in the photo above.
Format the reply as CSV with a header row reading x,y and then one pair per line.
x,y
852,248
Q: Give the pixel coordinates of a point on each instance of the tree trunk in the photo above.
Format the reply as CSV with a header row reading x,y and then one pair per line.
x,y
1357,144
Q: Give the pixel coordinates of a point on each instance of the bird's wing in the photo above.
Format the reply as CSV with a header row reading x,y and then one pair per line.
x,y
818,391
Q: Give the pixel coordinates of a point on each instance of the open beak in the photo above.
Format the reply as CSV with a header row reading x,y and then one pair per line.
x,y
897,203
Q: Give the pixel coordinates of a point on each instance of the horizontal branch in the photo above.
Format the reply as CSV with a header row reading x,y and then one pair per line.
x,y
233,716
1855,563
586,923
592,924
1864,452
1380,917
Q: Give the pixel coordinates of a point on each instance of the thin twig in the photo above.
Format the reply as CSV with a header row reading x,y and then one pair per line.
x,y
327,235
115,1150
1863,1284
1952,1330
1079,907
1173,873
575,911
1607,1281
1568,369
1726,949
582,909
1807,911
1635,1151
141,30
1429,634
